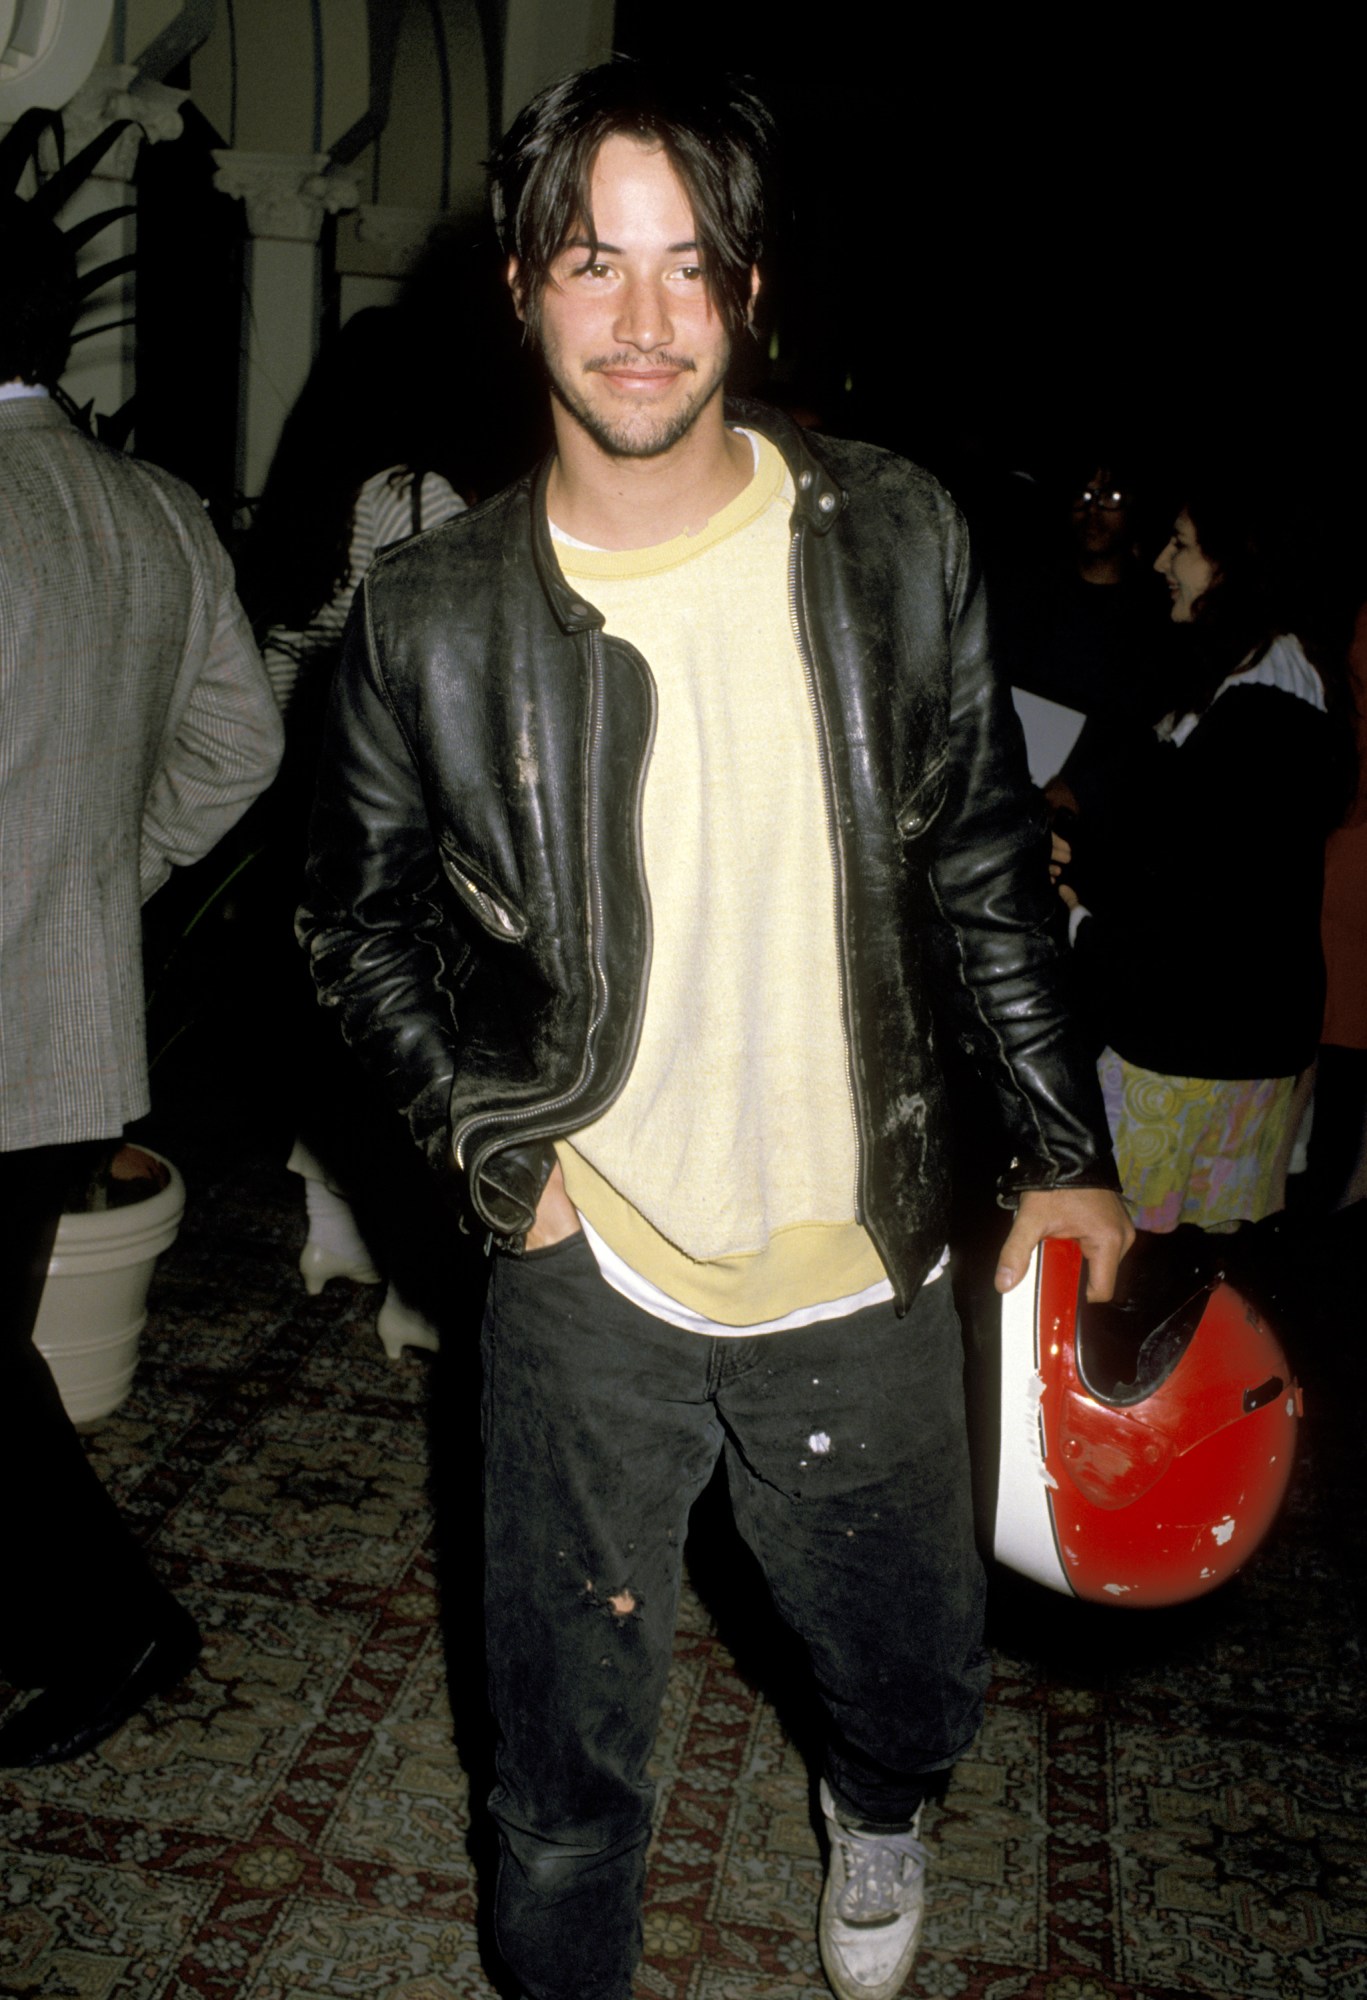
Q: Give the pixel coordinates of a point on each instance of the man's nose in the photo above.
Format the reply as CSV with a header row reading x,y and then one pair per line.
x,y
643,317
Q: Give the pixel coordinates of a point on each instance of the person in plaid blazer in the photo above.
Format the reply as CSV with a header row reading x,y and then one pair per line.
x,y
136,725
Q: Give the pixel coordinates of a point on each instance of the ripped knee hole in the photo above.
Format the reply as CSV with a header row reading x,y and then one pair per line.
x,y
622,1603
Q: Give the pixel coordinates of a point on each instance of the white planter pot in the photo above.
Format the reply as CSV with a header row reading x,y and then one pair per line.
x,y
95,1301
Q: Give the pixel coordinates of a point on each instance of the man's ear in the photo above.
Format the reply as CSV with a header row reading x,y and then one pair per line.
x,y
754,296
511,274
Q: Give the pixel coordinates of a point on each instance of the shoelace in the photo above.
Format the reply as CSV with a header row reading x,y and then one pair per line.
x,y
878,1868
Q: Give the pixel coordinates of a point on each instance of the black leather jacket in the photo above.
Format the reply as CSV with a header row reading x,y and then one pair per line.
x,y
477,910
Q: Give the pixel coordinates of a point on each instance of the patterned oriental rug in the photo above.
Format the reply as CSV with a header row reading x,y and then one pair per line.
x,y
1160,1806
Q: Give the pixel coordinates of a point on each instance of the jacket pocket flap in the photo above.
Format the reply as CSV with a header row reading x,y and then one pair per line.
x,y
484,903
919,809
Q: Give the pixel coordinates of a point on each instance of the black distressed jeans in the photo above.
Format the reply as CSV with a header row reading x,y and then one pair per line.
x,y
847,1465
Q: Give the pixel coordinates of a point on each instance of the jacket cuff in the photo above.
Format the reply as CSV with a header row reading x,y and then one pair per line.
x,y
1028,1175
511,1182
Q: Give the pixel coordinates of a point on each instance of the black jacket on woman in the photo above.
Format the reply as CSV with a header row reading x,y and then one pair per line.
x,y
1204,873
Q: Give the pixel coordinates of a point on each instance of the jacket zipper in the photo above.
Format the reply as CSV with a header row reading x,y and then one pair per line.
x,y
795,597
553,1106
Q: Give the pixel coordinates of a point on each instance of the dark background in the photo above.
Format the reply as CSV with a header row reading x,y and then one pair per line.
x,y
1010,243
1012,246
1017,236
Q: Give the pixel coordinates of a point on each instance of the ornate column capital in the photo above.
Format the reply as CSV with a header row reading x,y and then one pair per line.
x,y
287,194
109,94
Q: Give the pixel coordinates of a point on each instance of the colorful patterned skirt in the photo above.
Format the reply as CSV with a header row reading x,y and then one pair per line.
x,y
1193,1149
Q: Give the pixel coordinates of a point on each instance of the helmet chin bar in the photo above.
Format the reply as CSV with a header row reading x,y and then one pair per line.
x,y
1145,1447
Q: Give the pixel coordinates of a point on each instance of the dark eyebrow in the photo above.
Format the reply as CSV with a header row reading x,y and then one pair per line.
x,y
615,249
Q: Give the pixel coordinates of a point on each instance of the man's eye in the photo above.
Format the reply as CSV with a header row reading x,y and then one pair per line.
x,y
691,271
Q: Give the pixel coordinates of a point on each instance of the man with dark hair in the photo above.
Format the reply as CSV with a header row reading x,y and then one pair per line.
x,y
670,814
136,724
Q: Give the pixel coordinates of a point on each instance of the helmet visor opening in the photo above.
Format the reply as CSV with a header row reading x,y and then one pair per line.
x,y
1122,1355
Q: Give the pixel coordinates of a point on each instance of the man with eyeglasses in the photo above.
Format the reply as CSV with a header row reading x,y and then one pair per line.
x,y
1092,633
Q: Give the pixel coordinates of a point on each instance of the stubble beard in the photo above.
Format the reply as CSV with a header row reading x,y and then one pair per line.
x,y
639,433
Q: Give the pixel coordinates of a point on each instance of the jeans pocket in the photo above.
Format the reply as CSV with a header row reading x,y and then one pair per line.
x,y
545,1251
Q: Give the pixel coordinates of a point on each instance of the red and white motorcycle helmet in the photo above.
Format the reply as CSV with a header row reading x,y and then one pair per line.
x,y
1144,1451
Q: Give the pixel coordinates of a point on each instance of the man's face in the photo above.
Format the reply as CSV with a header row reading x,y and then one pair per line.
x,y
1101,515
633,345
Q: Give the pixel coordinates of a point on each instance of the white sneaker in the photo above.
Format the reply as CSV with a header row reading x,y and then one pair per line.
x,y
871,1907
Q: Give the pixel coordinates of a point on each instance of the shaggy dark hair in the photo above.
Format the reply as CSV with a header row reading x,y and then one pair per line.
x,y
717,134
39,300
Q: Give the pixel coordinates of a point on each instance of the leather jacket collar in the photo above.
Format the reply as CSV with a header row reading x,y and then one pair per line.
x,y
820,501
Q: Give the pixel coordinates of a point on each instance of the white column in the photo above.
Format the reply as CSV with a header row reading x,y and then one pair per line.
x,y
287,196
101,367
